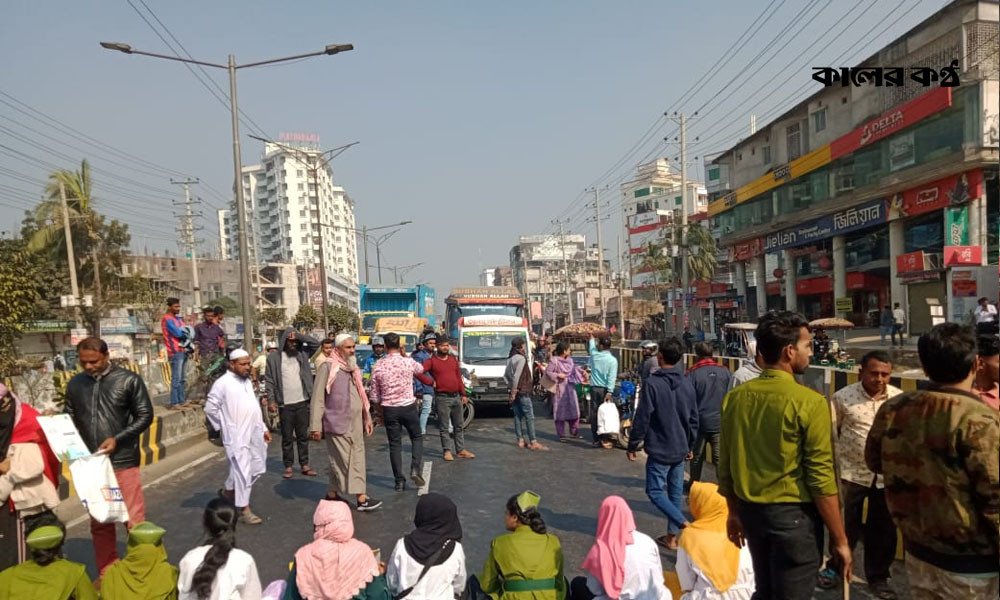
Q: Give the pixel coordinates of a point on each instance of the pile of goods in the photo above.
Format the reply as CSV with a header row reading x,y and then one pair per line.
x,y
579,331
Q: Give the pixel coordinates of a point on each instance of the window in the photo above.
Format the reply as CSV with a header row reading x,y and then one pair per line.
x,y
302,187
298,172
793,139
765,153
302,226
819,120
302,213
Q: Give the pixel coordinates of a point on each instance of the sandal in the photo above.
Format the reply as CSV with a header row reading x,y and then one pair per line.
x,y
248,518
520,443
287,474
667,541
564,440
827,579
537,446
308,472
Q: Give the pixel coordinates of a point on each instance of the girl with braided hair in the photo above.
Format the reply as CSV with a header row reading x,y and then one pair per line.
x,y
218,570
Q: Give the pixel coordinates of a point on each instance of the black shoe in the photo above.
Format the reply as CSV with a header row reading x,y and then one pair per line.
x,y
400,485
418,479
369,504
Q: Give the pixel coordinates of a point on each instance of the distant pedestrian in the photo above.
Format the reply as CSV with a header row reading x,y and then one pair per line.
x,y
749,370
449,398
666,423
937,449
218,570
688,338
711,382
425,391
650,363
232,409
855,407
986,317
210,343
898,324
603,375
776,466
518,378
565,404
392,394
259,365
378,351
886,321
289,383
340,413
988,371
111,409
542,349
173,335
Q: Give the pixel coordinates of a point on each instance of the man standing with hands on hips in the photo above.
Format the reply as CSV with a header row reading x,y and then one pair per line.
x,y
110,408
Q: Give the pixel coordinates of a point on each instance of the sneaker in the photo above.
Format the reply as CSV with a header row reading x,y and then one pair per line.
x,y
369,504
448,456
401,485
418,479
466,454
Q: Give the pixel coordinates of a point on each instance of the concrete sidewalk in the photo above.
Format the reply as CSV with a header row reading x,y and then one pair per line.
x,y
859,341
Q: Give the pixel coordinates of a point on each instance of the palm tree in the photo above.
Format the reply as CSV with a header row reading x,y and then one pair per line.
x,y
657,261
49,213
701,257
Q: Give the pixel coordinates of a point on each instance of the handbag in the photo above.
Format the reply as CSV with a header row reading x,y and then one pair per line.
x,y
430,561
548,384
607,419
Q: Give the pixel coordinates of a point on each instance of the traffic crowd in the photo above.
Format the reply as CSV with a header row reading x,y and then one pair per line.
x,y
793,469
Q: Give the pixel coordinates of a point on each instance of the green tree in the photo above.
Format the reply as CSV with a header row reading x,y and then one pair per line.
x,y
231,306
341,319
306,318
21,287
272,318
701,257
657,261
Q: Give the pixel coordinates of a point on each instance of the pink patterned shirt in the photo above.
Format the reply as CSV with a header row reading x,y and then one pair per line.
x,y
392,380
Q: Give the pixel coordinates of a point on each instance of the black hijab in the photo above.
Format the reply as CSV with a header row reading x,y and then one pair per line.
x,y
8,414
436,520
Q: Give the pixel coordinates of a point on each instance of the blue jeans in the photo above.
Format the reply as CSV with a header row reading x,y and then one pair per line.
x,y
177,380
665,488
426,404
886,331
523,409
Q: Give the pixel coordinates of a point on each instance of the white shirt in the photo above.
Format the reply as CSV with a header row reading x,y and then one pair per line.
x,y
442,582
699,587
236,580
899,316
985,315
643,573
855,412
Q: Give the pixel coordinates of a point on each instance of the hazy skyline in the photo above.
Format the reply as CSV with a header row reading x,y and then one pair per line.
x,y
477,121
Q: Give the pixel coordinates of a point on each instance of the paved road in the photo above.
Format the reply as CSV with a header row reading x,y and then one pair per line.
x,y
572,479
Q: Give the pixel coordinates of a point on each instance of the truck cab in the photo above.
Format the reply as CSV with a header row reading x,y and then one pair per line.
x,y
483,348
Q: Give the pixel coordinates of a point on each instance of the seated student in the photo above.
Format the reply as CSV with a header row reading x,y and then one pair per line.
x,y
622,563
218,570
144,573
335,566
526,564
709,565
429,563
46,575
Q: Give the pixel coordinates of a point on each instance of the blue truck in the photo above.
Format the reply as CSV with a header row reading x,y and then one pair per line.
x,y
394,301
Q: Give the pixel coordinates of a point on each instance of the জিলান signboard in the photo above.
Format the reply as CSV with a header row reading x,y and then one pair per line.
x,y
852,219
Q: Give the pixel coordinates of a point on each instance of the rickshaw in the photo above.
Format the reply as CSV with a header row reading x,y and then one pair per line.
x,y
738,340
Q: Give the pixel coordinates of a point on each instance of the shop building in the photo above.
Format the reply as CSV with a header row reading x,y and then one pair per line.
x,y
864,196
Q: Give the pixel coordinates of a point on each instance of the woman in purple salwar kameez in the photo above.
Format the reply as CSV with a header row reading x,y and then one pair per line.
x,y
565,408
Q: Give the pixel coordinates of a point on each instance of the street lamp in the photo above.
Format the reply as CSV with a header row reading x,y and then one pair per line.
x,y
313,166
364,233
241,216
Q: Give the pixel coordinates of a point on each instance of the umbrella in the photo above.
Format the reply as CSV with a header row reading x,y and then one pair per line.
x,y
832,323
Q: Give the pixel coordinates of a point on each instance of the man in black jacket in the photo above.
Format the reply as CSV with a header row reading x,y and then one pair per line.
x,y
667,424
289,382
711,382
110,407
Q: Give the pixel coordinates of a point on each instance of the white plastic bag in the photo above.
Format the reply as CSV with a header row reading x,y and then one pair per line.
x,y
97,488
607,419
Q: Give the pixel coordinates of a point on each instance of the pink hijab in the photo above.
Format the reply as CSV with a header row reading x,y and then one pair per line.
x,y
334,566
606,559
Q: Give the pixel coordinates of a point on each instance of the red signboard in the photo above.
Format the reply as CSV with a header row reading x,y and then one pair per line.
x,y
910,262
774,288
964,288
952,190
747,250
814,285
963,255
725,304
863,281
892,121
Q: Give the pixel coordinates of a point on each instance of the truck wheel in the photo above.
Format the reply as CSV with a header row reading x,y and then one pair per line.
x,y
468,413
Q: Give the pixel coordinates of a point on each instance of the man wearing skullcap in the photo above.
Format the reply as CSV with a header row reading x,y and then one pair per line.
x,y
144,573
47,576
232,409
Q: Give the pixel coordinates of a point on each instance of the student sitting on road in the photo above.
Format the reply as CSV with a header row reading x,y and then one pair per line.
x,y
335,566
622,563
709,565
429,562
144,573
47,576
218,570
526,564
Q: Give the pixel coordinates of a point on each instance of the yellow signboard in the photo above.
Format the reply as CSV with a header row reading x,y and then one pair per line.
x,y
845,304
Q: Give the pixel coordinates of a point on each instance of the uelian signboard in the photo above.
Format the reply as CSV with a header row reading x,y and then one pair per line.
x,y
892,122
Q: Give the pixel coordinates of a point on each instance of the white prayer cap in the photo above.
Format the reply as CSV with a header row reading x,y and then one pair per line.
x,y
238,353
341,338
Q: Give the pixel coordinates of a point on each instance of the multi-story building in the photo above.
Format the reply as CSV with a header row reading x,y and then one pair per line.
x,y
656,188
539,266
869,193
296,214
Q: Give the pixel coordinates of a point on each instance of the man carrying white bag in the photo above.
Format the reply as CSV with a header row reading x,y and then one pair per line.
x,y
110,407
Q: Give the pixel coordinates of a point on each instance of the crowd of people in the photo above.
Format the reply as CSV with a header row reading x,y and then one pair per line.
x,y
794,470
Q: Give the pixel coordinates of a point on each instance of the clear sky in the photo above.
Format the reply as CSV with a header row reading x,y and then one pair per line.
x,y
478,121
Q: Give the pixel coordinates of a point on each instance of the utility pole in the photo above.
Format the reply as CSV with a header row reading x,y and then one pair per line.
x,y
621,298
314,171
364,237
73,286
600,257
685,275
187,231
569,291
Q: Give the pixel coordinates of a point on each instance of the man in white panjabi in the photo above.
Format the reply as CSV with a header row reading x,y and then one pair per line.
x,y
232,408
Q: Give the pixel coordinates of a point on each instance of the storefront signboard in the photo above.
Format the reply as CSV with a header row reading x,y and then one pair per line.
x,y
956,225
911,262
963,255
891,122
814,285
853,219
845,304
953,190
746,250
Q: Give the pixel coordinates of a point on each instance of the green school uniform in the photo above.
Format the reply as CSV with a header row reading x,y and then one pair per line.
x,y
524,565
58,580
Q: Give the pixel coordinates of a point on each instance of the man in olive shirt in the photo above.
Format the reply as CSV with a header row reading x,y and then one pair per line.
x,y
776,466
